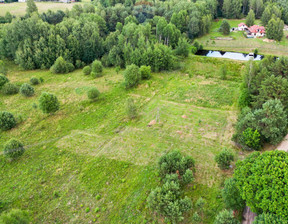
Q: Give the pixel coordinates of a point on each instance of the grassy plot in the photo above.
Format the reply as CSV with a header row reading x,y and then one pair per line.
x,y
241,43
88,162
19,9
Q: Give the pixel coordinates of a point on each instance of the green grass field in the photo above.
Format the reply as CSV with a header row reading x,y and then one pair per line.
x,y
241,43
91,148
19,9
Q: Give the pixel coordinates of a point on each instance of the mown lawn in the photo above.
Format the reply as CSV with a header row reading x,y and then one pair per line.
x,y
19,8
241,43
91,148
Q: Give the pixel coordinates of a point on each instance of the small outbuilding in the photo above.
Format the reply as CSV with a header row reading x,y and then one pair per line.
x,y
242,26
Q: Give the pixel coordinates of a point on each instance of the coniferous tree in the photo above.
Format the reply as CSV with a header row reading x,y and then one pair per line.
x,y
250,18
31,7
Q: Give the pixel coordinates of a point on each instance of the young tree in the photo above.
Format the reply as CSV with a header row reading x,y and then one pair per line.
x,y
131,108
145,72
31,7
3,80
132,76
97,68
225,28
27,90
275,29
13,149
48,103
183,47
3,68
259,179
250,19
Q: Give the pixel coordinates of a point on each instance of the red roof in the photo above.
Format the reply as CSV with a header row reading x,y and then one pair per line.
x,y
256,29
242,24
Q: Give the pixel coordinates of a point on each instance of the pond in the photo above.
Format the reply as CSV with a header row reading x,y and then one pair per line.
x,y
230,55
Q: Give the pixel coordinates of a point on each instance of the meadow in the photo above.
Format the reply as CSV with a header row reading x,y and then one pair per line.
x,y
89,163
19,8
240,43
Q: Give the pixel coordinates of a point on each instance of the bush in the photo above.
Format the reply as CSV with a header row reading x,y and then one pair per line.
x,y
61,66
174,162
15,216
131,108
226,217
231,195
132,76
244,98
13,149
41,80
86,70
93,93
48,103
182,48
7,121
145,72
97,68
34,81
251,138
224,158
188,177
10,89
3,80
27,90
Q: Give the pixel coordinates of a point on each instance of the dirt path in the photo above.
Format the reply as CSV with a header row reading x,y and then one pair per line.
x,y
248,216
283,145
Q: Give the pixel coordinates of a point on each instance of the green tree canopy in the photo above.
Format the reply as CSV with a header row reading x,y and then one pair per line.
x,y
261,180
250,19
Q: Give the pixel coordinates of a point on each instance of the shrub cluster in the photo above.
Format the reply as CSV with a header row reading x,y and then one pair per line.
x,y
7,121
145,72
132,76
48,103
226,217
13,149
27,90
86,70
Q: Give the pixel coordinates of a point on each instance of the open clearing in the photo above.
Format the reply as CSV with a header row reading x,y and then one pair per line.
x,y
90,148
19,8
241,43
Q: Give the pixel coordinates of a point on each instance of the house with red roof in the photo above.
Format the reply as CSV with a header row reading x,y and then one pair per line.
x,y
256,31
242,26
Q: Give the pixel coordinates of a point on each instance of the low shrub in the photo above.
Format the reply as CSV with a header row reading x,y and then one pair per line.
x,y
48,103
224,158
13,149
7,121
70,67
79,64
3,80
34,81
131,108
27,90
15,216
3,68
86,70
93,93
194,50
10,89
145,72
223,72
